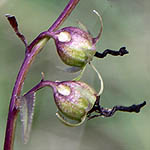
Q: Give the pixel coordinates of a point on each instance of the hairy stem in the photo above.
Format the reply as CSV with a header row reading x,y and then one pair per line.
x,y
32,51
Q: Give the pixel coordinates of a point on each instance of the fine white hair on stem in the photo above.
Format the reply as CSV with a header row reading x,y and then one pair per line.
x,y
101,29
100,78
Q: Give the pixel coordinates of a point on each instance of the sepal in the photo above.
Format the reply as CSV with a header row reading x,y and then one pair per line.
x,y
27,103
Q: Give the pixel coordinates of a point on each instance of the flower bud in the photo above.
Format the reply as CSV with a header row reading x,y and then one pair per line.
x,y
75,46
74,99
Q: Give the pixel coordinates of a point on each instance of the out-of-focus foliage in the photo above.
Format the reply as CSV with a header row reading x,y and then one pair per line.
x,y
126,79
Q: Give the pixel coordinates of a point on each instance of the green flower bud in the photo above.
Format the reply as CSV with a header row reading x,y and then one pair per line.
x,y
75,46
74,100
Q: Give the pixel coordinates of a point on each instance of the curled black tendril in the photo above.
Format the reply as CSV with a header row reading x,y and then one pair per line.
x,y
110,112
122,51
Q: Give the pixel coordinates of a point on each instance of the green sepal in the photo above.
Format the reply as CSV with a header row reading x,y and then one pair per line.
x,y
66,122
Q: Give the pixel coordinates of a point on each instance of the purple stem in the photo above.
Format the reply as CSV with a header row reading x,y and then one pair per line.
x,y
66,12
42,84
33,49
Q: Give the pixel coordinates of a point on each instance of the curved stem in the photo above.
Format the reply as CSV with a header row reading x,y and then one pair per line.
x,y
41,85
101,29
65,13
33,49
100,78
13,108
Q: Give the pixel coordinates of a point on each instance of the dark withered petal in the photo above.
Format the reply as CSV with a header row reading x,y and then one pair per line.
x,y
13,22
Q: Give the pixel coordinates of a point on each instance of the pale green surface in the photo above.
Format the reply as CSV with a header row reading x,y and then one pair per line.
x,y
126,79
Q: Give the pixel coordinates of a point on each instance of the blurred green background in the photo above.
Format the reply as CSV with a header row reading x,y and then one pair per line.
x,y
126,79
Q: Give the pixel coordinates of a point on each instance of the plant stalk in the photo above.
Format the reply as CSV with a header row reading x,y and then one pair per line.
x,y
32,51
